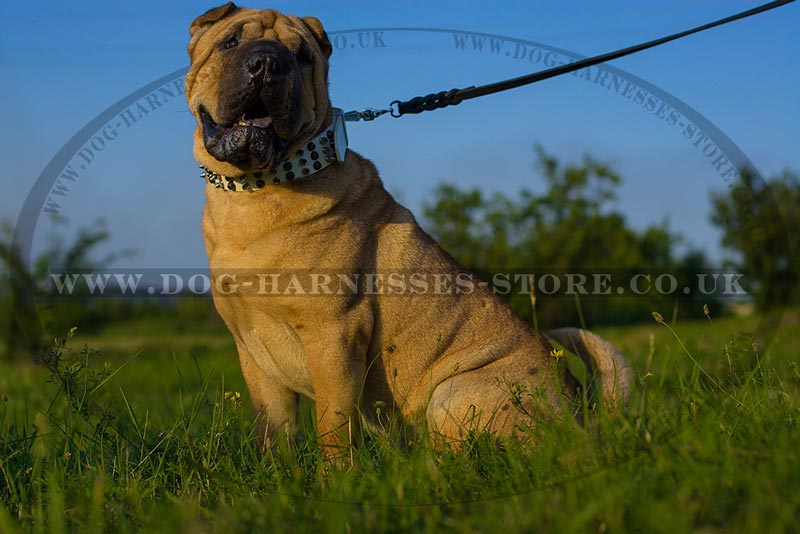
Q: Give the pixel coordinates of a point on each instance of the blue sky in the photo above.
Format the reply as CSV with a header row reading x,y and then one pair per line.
x,y
63,63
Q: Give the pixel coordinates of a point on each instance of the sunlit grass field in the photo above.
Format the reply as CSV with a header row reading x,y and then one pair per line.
x,y
153,432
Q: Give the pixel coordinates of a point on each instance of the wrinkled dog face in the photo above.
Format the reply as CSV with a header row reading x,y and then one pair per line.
x,y
257,86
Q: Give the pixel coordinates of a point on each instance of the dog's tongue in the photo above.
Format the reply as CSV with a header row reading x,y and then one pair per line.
x,y
258,116
258,122
261,122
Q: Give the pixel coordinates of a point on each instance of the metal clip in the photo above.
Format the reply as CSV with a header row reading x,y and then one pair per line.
x,y
368,114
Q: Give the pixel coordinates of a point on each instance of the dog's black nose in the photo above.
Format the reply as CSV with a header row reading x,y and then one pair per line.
x,y
261,62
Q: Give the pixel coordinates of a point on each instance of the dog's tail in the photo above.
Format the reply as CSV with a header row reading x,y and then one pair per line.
x,y
602,359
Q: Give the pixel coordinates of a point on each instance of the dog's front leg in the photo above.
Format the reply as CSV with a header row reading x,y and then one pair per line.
x,y
338,372
274,405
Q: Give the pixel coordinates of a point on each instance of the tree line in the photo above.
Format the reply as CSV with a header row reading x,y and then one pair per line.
x,y
573,226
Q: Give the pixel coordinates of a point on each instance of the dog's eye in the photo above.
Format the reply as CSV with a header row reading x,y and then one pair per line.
x,y
304,55
230,42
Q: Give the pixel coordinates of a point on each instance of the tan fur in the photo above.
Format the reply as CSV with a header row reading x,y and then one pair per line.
x,y
460,361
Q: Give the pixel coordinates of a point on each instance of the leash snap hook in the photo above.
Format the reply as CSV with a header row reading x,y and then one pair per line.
x,y
367,114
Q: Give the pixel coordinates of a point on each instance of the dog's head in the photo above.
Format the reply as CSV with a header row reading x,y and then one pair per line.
x,y
257,86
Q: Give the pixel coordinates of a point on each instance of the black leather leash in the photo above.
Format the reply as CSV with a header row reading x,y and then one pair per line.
x,y
456,96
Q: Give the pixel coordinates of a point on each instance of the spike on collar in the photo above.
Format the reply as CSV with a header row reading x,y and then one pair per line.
x,y
323,150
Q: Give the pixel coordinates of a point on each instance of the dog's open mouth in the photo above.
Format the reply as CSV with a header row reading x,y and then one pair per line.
x,y
251,141
257,115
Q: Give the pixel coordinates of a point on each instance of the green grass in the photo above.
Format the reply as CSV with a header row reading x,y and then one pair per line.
x,y
148,435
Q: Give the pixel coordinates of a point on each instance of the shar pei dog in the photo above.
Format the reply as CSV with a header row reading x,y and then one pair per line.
x,y
330,288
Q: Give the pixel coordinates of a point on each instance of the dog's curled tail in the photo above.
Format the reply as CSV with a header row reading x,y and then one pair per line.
x,y
602,359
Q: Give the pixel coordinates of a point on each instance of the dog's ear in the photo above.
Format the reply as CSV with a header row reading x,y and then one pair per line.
x,y
206,20
315,26
211,16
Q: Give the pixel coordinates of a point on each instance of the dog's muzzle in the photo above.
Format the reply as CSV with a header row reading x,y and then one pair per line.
x,y
258,102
